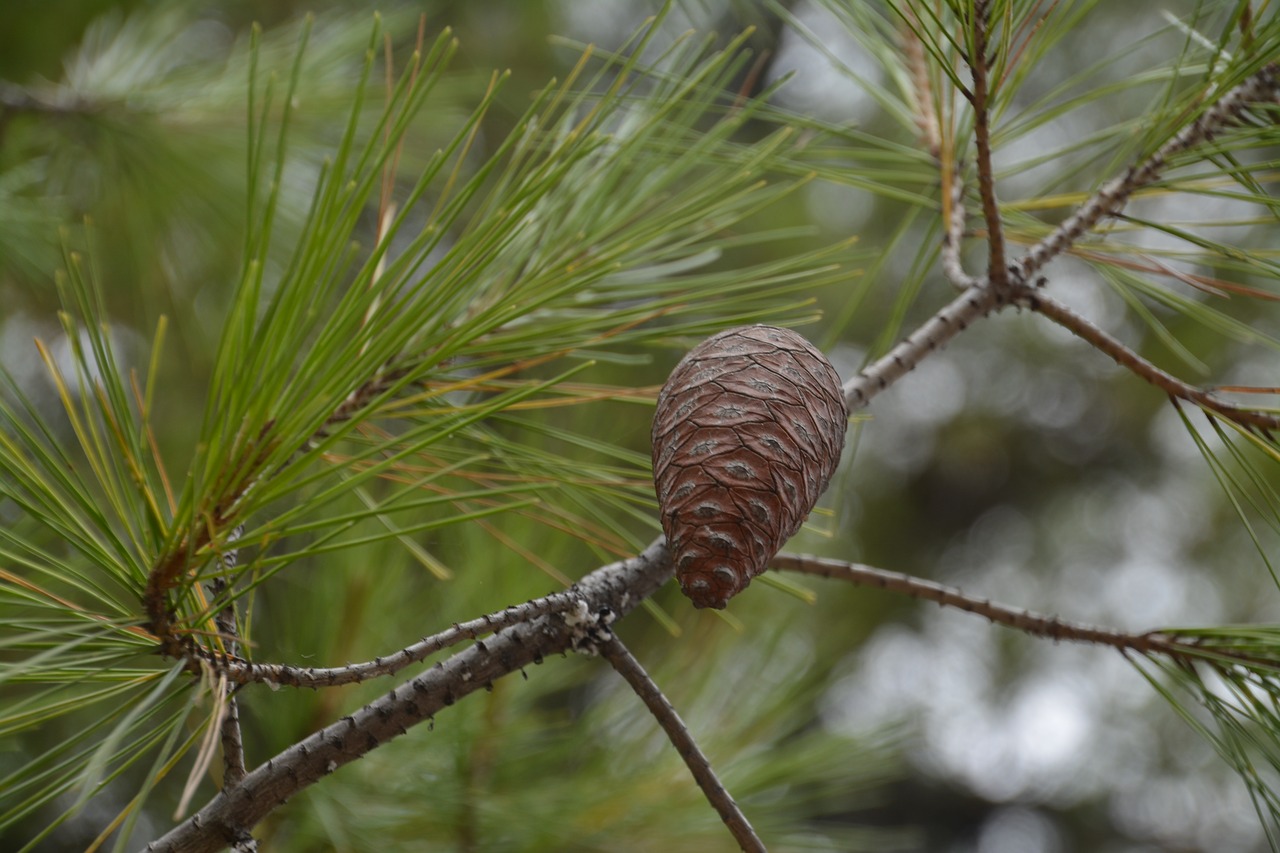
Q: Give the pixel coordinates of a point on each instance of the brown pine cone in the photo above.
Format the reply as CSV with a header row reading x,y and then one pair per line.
x,y
747,433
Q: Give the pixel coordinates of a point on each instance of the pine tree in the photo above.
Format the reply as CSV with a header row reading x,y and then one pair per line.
x,y
424,319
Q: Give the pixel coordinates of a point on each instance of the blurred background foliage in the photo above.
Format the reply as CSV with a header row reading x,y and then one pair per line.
x,y
1020,465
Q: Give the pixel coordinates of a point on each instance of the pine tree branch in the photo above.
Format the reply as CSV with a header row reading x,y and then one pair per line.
x,y
1215,648
1264,85
170,566
1130,360
678,733
610,591
241,671
952,241
997,269
1026,621
233,766
956,316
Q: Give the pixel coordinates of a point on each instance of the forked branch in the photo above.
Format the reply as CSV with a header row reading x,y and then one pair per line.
x,y
526,634
1018,289
1263,85
616,589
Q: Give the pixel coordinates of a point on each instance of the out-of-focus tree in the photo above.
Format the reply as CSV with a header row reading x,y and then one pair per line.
x,y
353,340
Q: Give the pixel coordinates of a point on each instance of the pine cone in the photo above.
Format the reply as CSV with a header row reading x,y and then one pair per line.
x,y
746,436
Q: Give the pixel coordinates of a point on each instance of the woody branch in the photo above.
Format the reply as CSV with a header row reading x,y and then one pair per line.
x,y
1263,85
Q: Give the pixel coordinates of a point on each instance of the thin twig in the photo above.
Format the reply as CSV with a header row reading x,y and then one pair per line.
x,y
233,767
1038,625
921,89
1111,198
678,733
240,671
952,267
997,270
1186,647
1130,360
974,304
